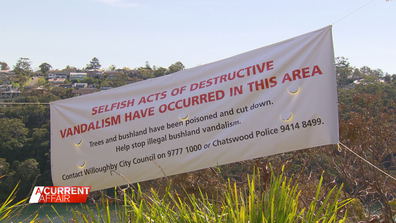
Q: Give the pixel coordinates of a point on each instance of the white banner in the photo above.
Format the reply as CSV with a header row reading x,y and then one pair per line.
x,y
275,99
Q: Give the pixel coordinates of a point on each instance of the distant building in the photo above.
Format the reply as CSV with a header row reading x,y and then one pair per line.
x,y
7,76
57,75
132,73
79,85
56,80
112,74
83,91
5,87
65,86
95,73
105,88
10,94
38,73
77,76
39,90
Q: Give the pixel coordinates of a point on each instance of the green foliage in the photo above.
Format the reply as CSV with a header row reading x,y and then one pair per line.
x,y
146,73
119,80
90,80
112,67
12,138
69,69
4,166
94,64
28,169
15,85
278,203
392,204
23,65
356,210
343,70
178,66
4,66
45,67
61,93
42,82
7,207
159,72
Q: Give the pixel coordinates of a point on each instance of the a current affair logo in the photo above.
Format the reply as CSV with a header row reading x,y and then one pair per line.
x,y
59,194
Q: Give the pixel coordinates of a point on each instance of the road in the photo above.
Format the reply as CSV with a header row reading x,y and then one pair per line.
x,y
33,82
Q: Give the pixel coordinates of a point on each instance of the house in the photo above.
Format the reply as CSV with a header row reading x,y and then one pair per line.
x,y
105,88
57,75
83,91
56,80
10,94
65,86
38,73
5,87
112,74
39,90
77,76
7,76
95,73
132,73
79,85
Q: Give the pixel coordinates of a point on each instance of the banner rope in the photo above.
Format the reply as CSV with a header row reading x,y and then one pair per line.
x,y
387,174
353,12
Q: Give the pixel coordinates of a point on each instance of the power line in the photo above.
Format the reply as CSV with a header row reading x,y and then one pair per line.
x,y
353,12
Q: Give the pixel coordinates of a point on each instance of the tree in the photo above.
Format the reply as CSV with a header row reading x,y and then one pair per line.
x,y
365,70
119,80
344,70
393,77
23,64
26,172
59,91
42,82
112,67
104,83
28,169
159,72
388,78
368,129
94,64
178,66
90,80
4,166
12,138
148,65
146,73
45,67
378,73
4,66
70,69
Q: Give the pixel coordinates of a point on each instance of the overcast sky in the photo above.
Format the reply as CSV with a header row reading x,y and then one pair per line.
x,y
127,33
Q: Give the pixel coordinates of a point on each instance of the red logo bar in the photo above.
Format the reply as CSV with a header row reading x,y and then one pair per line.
x,y
60,194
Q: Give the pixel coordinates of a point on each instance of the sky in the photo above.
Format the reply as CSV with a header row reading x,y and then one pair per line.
x,y
127,33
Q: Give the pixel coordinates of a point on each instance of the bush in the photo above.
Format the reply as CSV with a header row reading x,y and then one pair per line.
x,y
279,202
